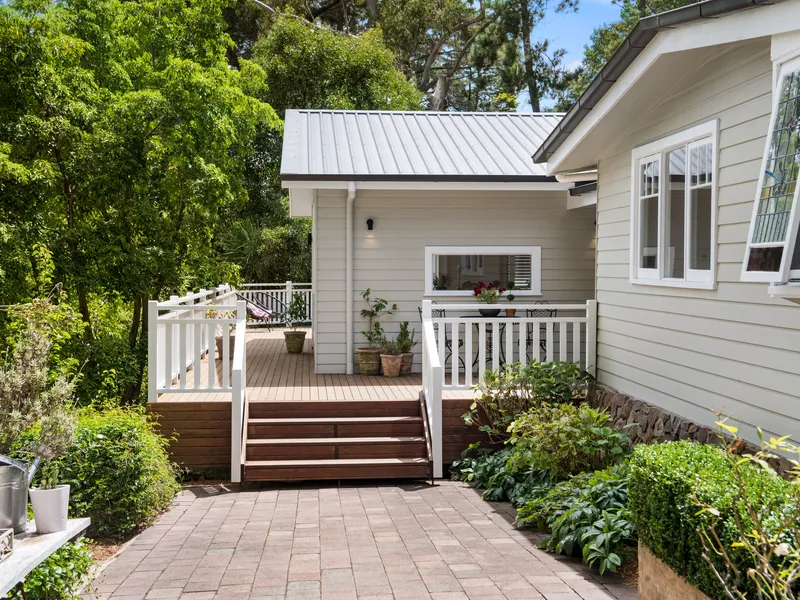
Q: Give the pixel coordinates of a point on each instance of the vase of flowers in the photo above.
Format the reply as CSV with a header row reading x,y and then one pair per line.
x,y
488,293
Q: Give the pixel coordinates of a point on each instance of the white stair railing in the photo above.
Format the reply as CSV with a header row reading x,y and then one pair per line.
x,y
432,380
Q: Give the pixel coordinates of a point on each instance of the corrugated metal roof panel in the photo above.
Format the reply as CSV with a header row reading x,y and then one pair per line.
x,y
329,144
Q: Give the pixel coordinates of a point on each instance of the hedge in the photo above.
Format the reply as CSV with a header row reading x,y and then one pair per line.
x,y
665,484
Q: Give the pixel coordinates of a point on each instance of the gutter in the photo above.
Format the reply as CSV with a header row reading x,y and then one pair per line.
x,y
633,45
348,285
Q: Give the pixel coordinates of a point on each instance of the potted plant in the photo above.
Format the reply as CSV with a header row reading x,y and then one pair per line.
x,y
391,358
406,343
510,312
219,331
369,358
35,421
487,293
295,314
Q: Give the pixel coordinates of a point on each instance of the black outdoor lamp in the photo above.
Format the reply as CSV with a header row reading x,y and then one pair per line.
x,y
370,223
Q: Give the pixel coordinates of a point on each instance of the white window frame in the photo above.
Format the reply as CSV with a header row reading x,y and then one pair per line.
x,y
535,253
659,150
784,273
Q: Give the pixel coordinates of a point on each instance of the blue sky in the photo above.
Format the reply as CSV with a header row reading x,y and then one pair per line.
x,y
571,30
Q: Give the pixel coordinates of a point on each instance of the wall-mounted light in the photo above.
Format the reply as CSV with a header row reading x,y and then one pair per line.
x,y
370,224
310,239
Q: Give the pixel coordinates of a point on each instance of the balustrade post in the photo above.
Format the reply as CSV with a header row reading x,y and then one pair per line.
x,y
152,351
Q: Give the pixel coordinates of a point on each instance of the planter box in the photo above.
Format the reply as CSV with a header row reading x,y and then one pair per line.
x,y
657,581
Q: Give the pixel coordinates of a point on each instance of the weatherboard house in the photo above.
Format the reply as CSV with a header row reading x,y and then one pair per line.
x,y
651,234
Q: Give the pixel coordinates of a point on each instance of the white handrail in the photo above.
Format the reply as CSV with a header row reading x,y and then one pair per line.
x,y
432,380
238,392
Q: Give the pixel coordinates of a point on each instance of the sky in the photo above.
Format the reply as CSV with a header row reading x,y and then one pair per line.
x,y
571,30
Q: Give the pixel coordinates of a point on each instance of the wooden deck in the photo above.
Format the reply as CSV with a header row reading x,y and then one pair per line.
x,y
275,375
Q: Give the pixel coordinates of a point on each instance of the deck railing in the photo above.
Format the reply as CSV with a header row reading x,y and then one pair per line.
x,y
277,297
185,330
459,345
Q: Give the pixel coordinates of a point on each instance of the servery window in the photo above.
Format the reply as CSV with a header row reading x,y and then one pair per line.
x,y
673,209
456,270
772,252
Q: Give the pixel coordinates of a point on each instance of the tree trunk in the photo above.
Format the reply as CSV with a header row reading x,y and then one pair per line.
x,y
86,315
439,97
133,332
138,334
527,54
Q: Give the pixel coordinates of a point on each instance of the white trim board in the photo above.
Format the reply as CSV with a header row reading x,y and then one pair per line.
x,y
510,186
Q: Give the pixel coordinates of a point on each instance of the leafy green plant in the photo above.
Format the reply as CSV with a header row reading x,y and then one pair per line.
x,y
296,312
376,308
60,576
119,472
405,339
517,387
565,440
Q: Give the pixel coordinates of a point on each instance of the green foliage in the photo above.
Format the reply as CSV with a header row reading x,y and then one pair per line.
x,y
296,312
405,339
565,440
312,67
376,308
517,387
669,482
587,515
119,472
60,576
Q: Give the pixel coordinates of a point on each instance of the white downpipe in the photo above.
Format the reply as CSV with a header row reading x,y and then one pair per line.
x,y
348,286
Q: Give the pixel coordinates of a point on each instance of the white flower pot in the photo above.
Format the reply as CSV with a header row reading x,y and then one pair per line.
x,y
50,508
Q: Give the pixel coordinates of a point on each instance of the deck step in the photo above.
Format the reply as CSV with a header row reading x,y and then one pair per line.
x,y
351,468
338,447
334,427
350,408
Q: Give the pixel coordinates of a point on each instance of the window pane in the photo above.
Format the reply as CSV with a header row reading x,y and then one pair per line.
x,y
464,271
700,229
701,163
650,173
796,257
649,232
780,176
765,259
676,214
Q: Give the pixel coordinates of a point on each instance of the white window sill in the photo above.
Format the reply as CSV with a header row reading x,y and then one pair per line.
x,y
789,291
688,285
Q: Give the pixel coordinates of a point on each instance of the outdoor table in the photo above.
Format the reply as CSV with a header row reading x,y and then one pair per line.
x,y
31,549
490,338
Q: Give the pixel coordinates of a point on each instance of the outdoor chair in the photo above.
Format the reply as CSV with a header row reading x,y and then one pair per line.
x,y
440,313
258,311
539,313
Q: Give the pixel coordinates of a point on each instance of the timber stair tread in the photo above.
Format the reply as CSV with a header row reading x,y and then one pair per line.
x,y
341,441
332,420
342,462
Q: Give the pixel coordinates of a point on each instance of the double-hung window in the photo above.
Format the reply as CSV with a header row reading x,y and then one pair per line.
x,y
673,209
773,254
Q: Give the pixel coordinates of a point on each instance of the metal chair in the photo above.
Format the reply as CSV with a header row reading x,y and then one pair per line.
x,y
263,307
440,313
539,313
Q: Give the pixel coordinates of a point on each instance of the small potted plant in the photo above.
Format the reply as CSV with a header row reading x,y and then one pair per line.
x,y
391,358
219,331
405,341
487,293
295,314
510,312
369,358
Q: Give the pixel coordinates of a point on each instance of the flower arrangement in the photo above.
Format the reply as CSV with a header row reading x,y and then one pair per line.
x,y
487,293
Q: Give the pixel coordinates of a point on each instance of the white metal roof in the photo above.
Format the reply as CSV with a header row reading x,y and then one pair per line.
x,y
326,145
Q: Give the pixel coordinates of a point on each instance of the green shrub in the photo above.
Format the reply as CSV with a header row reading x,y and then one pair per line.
x,y
565,440
667,484
119,472
518,387
60,576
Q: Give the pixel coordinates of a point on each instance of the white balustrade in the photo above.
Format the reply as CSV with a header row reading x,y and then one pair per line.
x,y
277,297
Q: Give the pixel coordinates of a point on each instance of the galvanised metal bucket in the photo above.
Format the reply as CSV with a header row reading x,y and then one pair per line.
x,y
13,494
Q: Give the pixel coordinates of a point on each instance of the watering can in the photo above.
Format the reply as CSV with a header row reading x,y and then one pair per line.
x,y
15,478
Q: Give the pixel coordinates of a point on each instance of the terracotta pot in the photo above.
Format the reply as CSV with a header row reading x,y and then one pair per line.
x,y
391,364
231,344
369,360
294,341
406,363
489,312
510,312
50,508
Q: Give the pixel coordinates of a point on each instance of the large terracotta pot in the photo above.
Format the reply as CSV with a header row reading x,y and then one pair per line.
x,y
406,363
391,364
231,342
369,360
294,341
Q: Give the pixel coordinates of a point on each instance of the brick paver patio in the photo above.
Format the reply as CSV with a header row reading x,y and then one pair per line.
x,y
370,542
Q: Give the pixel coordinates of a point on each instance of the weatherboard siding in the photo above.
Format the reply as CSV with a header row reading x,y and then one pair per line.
x,y
390,260
695,351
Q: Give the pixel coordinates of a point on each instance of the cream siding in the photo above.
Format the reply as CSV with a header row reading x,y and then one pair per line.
x,y
692,351
390,260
